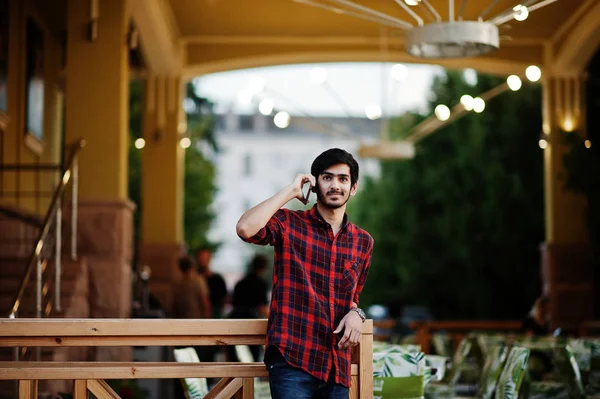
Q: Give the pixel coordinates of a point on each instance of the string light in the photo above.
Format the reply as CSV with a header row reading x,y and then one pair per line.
x,y
533,73
185,142
478,105
520,12
442,112
467,102
282,119
514,82
139,143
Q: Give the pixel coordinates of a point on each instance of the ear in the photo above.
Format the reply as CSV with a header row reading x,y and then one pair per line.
x,y
354,188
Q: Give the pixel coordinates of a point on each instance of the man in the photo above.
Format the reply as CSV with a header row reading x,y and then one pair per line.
x,y
321,264
190,293
216,284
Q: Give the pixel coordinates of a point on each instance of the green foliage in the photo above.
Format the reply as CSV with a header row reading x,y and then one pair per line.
x,y
199,171
457,228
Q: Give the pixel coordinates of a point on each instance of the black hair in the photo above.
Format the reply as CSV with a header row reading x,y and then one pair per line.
x,y
332,157
259,262
185,263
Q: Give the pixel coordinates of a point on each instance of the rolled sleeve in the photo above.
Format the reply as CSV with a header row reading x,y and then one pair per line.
x,y
364,271
271,233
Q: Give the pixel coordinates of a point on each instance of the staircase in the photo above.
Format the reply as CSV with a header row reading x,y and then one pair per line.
x,y
40,273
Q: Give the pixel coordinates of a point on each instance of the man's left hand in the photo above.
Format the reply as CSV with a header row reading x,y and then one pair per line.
x,y
352,325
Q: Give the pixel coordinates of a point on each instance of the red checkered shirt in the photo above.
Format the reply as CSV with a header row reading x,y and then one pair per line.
x,y
316,278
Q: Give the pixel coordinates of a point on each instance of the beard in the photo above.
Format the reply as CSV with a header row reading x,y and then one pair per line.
x,y
326,200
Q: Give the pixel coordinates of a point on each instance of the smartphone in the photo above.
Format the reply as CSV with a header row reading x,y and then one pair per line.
x,y
307,195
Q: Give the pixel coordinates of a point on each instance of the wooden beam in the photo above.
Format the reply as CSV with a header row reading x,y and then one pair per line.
x,y
137,328
10,370
101,389
129,327
184,340
80,389
28,389
218,388
127,370
316,40
229,390
160,36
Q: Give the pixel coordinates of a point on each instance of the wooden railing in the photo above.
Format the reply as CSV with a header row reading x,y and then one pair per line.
x,y
456,329
590,328
237,378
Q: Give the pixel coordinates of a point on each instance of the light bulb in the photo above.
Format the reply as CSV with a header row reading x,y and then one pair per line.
x,y
185,142
543,144
533,73
139,143
467,102
514,82
520,12
588,144
373,111
281,119
442,112
266,106
478,105
412,2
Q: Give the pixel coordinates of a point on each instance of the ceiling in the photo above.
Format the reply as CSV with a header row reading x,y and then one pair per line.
x,y
231,34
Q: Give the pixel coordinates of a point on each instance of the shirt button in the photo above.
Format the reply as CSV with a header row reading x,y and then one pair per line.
x,y
332,264
331,284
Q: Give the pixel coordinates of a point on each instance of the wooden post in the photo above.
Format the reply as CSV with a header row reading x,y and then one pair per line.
x,y
365,367
248,388
423,337
28,389
80,389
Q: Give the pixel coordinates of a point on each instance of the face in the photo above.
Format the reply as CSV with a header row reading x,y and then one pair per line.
x,y
333,186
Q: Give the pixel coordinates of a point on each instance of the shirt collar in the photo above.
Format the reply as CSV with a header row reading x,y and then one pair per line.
x,y
314,214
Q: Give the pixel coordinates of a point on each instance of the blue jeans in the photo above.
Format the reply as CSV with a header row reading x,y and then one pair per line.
x,y
288,382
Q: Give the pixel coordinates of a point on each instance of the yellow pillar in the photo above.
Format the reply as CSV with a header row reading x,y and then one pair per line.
x,y
97,96
97,109
162,182
566,256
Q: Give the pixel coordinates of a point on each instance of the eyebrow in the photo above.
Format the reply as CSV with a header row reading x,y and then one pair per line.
x,y
333,174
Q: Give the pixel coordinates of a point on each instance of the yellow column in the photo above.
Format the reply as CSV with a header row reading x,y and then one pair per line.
x,y
97,109
566,256
97,95
162,182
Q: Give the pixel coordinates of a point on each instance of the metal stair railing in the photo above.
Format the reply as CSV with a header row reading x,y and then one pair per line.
x,y
47,251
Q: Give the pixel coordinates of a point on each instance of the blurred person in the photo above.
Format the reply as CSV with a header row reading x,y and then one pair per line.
x,y
250,299
321,264
250,293
216,283
190,293
537,322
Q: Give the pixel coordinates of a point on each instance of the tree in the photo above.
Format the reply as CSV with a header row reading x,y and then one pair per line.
x,y
199,187
457,229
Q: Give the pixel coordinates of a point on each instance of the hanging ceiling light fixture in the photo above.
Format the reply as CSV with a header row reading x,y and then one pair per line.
x,y
450,38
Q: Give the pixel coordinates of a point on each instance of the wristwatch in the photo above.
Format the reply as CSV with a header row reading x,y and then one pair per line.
x,y
361,313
